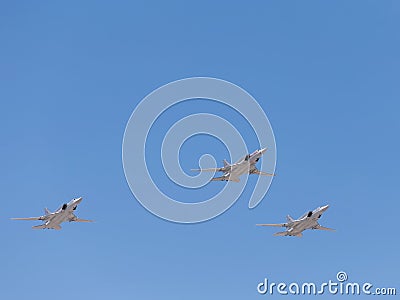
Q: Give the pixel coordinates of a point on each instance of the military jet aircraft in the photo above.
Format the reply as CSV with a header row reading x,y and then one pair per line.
x,y
307,221
245,165
63,214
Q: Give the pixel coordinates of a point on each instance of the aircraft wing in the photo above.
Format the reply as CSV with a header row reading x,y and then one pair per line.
x,y
264,173
258,172
76,219
319,227
274,225
226,177
207,170
222,178
28,219
81,220
44,226
282,233
235,179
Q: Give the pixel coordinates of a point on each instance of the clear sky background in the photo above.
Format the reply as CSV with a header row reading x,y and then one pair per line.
x,y
71,73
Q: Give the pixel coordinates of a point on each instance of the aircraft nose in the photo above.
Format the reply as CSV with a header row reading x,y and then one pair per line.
x,y
323,208
263,150
78,200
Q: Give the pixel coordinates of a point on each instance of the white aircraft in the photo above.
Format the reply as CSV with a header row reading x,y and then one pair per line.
x,y
63,214
307,221
243,166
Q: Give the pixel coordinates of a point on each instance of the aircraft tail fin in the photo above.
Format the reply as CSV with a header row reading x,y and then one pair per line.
x,y
282,233
289,219
46,211
226,164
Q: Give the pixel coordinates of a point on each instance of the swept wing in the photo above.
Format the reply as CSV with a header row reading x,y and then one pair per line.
x,y
258,172
319,227
76,219
207,170
226,177
82,220
282,233
28,219
274,225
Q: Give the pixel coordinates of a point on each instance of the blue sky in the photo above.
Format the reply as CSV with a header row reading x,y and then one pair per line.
x,y
71,74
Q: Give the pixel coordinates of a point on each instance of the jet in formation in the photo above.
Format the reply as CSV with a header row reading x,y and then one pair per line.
x,y
52,220
232,172
307,221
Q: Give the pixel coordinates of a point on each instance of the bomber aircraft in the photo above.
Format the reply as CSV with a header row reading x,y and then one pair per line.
x,y
232,172
52,220
307,221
